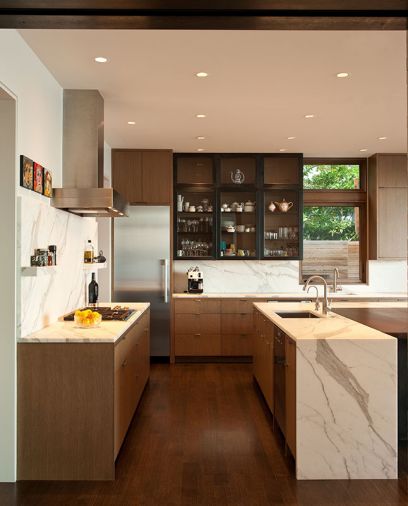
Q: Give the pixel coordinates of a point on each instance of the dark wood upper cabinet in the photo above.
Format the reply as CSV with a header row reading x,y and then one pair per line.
x,y
157,176
143,176
281,170
127,174
194,170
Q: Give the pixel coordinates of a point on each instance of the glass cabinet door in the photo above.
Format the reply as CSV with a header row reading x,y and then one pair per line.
x,y
194,223
281,224
238,232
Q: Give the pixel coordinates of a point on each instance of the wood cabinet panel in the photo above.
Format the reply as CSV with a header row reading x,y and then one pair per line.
x,y
237,345
127,174
197,306
290,394
196,323
281,170
392,171
392,223
65,428
241,323
157,176
237,306
195,169
197,344
263,357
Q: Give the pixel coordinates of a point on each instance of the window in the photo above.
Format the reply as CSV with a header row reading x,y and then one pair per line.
x,y
334,219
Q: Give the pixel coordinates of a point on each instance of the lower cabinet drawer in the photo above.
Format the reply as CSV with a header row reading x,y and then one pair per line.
x,y
237,345
196,323
241,323
197,344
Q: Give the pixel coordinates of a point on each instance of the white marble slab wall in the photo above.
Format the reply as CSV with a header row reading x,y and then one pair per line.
x,y
43,299
243,276
346,409
262,276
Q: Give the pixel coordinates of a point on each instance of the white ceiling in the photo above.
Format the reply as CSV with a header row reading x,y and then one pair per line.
x,y
260,86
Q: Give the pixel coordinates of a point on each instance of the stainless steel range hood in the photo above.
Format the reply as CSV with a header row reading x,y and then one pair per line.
x,y
83,191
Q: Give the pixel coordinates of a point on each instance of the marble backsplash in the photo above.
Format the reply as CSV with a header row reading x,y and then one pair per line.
x,y
265,276
44,298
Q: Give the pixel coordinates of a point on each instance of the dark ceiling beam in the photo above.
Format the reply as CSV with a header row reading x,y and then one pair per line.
x,y
206,14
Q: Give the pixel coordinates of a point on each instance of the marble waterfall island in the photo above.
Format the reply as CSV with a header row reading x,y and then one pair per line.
x,y
346,396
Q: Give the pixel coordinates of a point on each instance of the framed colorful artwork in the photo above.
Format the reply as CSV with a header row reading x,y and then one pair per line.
x,y
26,172
38,178
47,183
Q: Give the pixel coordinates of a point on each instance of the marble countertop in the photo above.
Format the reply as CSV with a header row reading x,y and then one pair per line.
x,y
330,327
293,295
107,332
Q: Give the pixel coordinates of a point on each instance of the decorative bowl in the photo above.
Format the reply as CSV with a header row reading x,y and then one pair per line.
x,y
87,319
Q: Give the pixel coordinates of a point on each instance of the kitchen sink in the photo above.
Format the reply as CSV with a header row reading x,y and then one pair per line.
x,y
299,314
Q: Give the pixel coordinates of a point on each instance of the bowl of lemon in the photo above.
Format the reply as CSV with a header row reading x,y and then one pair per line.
x,y
87,319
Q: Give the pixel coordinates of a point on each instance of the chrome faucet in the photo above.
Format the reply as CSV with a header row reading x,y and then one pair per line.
x,y
336,275
325,304
317,303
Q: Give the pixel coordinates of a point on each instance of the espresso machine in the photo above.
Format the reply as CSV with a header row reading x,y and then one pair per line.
x,y
194,280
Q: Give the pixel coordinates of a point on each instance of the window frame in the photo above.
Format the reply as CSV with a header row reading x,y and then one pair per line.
x,y
343,198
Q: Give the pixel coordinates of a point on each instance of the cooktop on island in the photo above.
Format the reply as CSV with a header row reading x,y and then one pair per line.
x,y
108,313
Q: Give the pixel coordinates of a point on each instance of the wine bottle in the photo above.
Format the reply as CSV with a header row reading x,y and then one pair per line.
x,y
93,291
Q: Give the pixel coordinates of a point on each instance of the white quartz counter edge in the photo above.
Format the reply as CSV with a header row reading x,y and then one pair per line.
x,y
332,326
296,296
67,332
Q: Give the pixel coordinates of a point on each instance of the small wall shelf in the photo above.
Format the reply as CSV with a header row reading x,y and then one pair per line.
x,y
34,270
95,266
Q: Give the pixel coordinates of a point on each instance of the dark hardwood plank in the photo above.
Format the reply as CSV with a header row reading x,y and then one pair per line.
x,y
202,435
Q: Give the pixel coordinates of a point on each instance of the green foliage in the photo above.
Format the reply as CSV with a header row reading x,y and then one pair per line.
x,y
329,224
333,177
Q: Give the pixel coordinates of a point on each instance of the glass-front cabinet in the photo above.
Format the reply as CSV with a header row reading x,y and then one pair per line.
x,y
238,206
281,224
238,224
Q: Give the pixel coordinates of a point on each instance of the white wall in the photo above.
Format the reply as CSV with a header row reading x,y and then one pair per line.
x,y
8,294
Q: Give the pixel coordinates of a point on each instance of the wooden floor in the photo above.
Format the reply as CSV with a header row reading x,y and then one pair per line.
x,y
202,436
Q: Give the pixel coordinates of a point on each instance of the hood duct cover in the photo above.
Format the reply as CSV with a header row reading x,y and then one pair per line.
x,y
83,145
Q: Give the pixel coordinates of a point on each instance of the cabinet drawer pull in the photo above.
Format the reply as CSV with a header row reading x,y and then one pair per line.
x,y
243,300
197,300
197,335
124,363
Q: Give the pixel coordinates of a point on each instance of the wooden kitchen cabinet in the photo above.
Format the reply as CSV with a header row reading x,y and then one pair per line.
x,y
387,204
290,394
127,174
75,403
263,357
132,368
143,176
213,327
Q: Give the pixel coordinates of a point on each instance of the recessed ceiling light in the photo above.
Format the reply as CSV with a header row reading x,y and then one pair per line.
x,y
101,59
201,116
200,138
202,74
342,74
291,138
382,138
363,150
282,149
200,149
309,116
131,122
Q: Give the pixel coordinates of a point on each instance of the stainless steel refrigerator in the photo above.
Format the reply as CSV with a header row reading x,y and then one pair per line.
x,y
141,268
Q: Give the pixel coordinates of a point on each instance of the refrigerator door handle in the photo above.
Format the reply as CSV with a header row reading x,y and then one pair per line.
x,y
165,263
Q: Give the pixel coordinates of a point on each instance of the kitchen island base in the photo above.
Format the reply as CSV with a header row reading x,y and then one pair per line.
x,y
77,399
